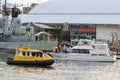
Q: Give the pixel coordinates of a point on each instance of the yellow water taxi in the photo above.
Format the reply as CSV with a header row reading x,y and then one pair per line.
x,y
28,56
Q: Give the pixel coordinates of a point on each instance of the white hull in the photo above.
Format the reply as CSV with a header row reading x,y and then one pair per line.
x,y
83,57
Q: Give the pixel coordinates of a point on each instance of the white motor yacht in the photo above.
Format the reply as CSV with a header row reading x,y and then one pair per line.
x,y
88,52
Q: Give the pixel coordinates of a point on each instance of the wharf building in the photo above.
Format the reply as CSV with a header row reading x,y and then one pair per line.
x,y
84,19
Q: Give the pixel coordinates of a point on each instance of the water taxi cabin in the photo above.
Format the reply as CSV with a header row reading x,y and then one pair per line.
x,y
28,54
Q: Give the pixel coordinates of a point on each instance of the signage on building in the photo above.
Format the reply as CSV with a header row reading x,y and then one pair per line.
x,y
87,30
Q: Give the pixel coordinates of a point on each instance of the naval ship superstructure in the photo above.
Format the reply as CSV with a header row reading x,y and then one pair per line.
x,y
13,34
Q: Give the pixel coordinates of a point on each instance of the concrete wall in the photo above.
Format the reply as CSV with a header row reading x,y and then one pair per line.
x,y
104,32
42,45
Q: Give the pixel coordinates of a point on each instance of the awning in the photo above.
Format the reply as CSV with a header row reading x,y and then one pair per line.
x,y
42,26
46,33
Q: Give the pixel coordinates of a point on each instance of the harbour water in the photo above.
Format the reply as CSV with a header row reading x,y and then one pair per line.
x,y
61,70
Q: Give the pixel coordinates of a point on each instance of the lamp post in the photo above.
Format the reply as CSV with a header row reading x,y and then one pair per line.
x,y
113,36
117,45
116,35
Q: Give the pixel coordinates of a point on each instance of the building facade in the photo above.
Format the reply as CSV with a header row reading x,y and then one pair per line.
x,y
85,19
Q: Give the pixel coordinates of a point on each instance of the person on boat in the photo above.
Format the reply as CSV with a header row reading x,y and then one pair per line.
x,y
68,49
55,49
64,49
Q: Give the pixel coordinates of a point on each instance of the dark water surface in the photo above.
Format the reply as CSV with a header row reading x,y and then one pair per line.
x,y
62,70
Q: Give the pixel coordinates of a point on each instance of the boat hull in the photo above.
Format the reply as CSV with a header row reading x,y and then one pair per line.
x,y
83,57
32,63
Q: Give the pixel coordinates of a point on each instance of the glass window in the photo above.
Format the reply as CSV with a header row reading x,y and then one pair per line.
x,y
81,51
94,54
102,54
23,53
28,53
41,55
33,54
37,54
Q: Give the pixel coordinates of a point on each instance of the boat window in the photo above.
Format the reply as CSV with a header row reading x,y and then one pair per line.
x,y
37,54
41,55
28,53
20,53
93,46
74,51
23,53
86,43
17,53
94,54
33,54
84,51
102,54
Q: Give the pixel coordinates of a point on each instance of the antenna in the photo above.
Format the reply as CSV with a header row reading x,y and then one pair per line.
x,y
5,6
